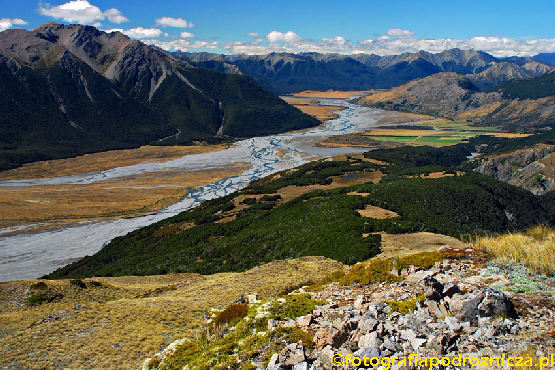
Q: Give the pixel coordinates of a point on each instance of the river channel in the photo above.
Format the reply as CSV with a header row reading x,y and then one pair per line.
x,y
33,254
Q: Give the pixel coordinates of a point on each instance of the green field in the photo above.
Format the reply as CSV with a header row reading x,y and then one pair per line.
x,y
394,139
461,126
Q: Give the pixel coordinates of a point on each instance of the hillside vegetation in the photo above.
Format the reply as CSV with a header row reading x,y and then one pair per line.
x,y
256,225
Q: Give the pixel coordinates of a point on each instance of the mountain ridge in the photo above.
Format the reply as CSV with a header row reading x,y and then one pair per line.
x,y
71,90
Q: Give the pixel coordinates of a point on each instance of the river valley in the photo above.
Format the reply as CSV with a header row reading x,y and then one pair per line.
x,y
30,255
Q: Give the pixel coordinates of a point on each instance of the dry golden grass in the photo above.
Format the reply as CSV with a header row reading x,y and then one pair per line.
x,y
377,212
114,328
98,162
480,112
124,197
320,112
535,248
297,101
508,135
437,175
401,245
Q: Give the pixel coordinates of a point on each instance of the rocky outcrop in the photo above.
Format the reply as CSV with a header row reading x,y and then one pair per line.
x,y
522,168
356,322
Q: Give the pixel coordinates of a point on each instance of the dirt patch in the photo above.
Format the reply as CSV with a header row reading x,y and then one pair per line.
x,y
406,244
437,175
111,326
377,212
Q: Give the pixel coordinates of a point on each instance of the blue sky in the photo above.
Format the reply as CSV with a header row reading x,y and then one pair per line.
x,y
256,27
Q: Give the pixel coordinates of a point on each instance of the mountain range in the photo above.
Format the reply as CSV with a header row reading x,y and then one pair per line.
x,y
286,72
69,90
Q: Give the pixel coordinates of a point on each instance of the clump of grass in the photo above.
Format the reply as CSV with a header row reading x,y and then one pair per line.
x,y
248,339
405,307
232,314
38,299
535,248
379,271
41,285
294,306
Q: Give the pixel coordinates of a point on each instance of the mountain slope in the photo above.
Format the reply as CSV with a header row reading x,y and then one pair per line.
x,y
526,105
69,90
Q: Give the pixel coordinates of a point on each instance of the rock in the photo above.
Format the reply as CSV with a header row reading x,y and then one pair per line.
x,y
304,321
370,340
301,366
495,303
450,289
322,338
252,298
434,288
453,324
361,301
481,302
292,354
289,323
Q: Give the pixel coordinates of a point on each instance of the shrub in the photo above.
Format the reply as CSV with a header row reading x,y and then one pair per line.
x,y
41,285
249,201
232,314
38,299
78,283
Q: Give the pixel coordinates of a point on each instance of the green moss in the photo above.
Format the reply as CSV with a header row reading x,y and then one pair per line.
x,y
372,272
405,307
294,306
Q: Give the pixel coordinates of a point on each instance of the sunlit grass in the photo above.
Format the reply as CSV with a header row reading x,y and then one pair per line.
x,y
535,248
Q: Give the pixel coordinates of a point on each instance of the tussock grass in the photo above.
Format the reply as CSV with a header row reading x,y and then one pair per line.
x,y
535,248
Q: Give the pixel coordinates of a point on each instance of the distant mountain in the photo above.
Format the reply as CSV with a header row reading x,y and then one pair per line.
x,y
522,105
286,72
69,90
547,58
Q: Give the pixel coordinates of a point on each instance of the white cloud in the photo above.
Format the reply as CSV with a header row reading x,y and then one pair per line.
x,y
81,11
115,16
140,32
173,22
6,23
394,41
187,35
184,45
289,37
398,32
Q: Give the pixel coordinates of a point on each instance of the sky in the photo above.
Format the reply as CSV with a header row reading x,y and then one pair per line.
x,y
501,28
